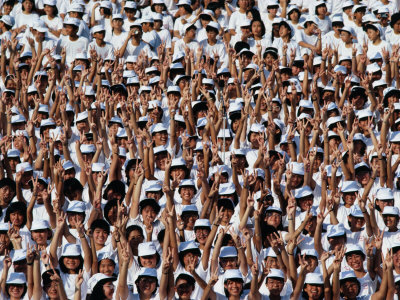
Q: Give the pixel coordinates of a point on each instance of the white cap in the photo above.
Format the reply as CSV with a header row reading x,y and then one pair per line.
x,y
71,250
40,225
314,278
302,192
233,274
146,249
390,210
276,273
96,278
335,230
24,167
384,194
76,206
16,278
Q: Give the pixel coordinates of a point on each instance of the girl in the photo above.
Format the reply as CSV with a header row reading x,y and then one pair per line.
x,y
27,17
71,261
53,22
285,43
103,287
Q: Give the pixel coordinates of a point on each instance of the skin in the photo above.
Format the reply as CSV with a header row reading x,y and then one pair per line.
x,y
108,289
149,261
71,263
148,214
183,289
146,286
107,267
275,286
234,287
314,291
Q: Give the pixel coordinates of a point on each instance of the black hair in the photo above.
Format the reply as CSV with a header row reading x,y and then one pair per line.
x,y
33,6
188,8
16,207
353,280
261,23
46,276
183,253
116,186
100,223
158,258
133,228
255,14
98,293
109,205
8,182
161,235
305,295
189,279
23,293
55,9
393,20
71,186
65,270
106,11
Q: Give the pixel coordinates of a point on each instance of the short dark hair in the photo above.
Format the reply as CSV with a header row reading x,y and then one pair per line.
x,y
100,223
16,207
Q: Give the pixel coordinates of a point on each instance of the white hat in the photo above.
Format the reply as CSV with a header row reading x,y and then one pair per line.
x,y
297,168
68,165
40,225
358,6
76,206
202,223
335,230
353,248
390,210
8,20
213,25
47,122
71,250
302,192
356,212
18,119
13,153
372,68
72,21
98,28
189,208
18,255
158,127
106,4
190,245
16,278
347,275
276,273
75,7
183,2
147,272
268,252
130,4
384,194
233,274
88,148
24,167
96,278
4,226
314,278
146,249
227,188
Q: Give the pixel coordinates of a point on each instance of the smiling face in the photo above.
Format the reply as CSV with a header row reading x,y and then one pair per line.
x,y
355,261
350,288
107,267
314,291
100,236
234,287
148,261
147,285
15,290
40,236
184,289
71,262
275,286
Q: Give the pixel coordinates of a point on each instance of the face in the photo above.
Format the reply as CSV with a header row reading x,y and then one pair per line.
x,y
349,198
275,286
73,218
350,289
363,177
234,287
356,223
311,225
202,235
373,35
390,221
40,236
273,218
6,195
187,193
108,289
296,180
355,261
211,35
100,236
189,219
71,263
16,290
306,203
183,289
336,242
52,290
135,238
148,214
313,291
227,215
147,285
16,218
149,261
160,138
229,263
382,203
272,262
107,267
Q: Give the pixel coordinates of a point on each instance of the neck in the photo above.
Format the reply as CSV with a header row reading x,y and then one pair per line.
x,y
117,30
286,39
98,246
187,40
212,42
73,37
358,23
100,42
135,42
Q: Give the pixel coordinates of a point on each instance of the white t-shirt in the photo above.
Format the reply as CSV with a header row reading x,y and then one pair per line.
x,y
72,47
